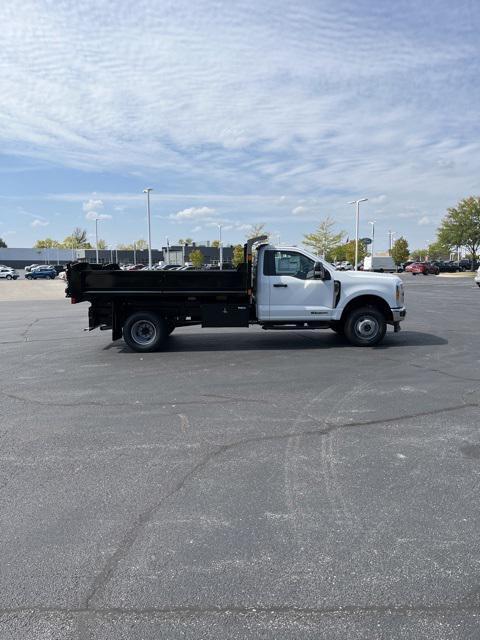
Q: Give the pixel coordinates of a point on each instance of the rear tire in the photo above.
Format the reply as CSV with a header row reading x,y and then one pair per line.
x,y
144,332
29,277
365,327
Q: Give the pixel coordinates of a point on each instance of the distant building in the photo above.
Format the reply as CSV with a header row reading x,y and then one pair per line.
x,y
19,258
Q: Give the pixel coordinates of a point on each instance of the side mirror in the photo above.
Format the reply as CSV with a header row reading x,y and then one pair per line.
x,y
318,271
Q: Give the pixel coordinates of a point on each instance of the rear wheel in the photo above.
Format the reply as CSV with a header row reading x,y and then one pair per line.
x,y
365,327
144,331
28,277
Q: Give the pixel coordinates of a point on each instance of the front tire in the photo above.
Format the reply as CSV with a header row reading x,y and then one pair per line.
x,y
365,327
8,277
144,332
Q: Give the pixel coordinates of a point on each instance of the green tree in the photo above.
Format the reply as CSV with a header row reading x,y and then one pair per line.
x,y
77,240
196,258
102,244
140,245
349,251
418,254
324,240
461,226
257,230
46,243
438,251
215,243
400,251
3,244
237,257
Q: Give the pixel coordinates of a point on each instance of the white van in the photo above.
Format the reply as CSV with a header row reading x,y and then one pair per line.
x,y
381,264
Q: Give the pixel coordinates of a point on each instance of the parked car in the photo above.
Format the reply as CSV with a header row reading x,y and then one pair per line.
x,y
44,271
477,277
344,266
422,267
136,267
31,266
466,265
446,266
8,273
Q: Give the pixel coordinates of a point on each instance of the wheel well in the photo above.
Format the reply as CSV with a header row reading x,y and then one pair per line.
x,y
365,301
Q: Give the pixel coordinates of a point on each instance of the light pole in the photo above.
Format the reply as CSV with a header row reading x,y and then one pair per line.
x,y
168,251
372,222
134,253
147,191
357,219
96,238
390,240
220,247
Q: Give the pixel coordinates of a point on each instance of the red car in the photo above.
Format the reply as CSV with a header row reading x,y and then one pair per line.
x,y
422,267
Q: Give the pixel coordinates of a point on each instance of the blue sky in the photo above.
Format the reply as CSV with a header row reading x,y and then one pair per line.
x,y
236,113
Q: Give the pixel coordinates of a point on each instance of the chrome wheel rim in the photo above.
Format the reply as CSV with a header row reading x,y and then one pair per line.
x,y
366,327
143,332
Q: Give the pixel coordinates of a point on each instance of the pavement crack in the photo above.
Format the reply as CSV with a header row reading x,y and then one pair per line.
x,y
24,334
102,579
254,610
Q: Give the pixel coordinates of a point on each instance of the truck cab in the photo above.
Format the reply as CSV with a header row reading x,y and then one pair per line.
x,y
295,286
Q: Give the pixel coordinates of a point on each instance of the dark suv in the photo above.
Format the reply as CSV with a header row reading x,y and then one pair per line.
x,y
45,271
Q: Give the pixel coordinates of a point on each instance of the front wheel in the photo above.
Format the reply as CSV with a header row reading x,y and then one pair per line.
x,y
9,277
28,277
365,327
144,331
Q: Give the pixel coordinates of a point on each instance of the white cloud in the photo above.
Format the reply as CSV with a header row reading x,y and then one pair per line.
x,y
94,215
379,199
194,213
92,205
423,221
300,210
39,223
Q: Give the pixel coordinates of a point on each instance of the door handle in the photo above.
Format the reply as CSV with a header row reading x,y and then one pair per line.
x,y
280,285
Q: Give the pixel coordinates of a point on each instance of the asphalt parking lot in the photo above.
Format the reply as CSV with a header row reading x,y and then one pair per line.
x,y
244,483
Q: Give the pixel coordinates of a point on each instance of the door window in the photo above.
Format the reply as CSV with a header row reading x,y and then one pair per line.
x,y
288,263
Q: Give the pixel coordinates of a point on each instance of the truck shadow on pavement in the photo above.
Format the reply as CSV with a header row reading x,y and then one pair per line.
x,y
281,340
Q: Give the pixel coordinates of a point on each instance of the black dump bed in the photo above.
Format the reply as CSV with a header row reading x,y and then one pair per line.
x,y
89,281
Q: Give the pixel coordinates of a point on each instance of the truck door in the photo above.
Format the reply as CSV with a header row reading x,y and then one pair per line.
x,y
294,294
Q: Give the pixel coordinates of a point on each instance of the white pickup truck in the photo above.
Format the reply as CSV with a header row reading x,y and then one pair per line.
x,y
276,287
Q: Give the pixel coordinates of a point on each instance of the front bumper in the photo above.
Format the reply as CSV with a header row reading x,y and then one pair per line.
x,y
398,314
